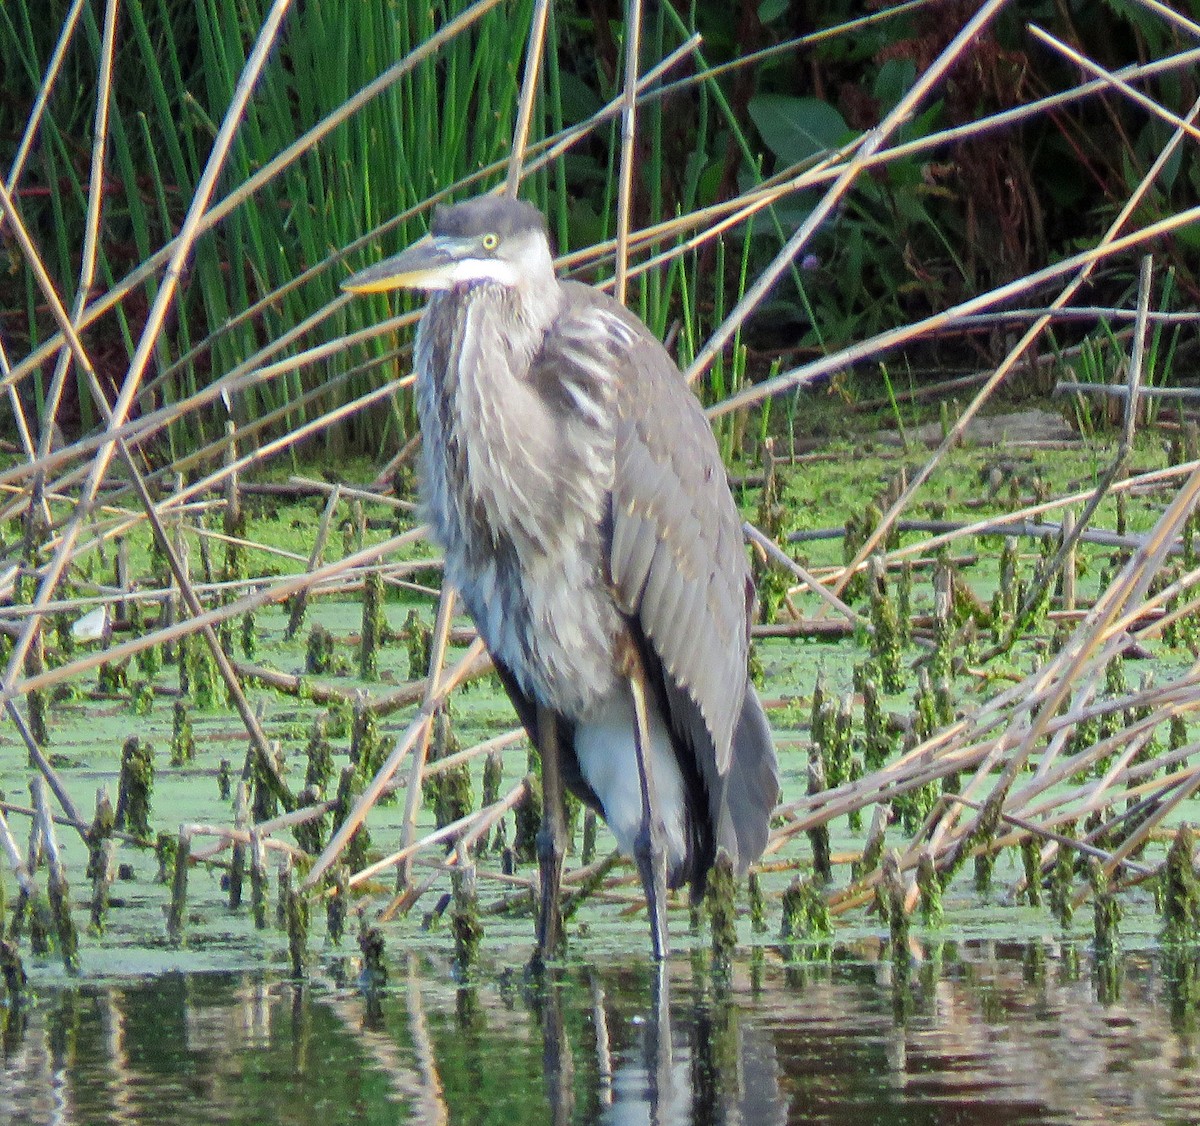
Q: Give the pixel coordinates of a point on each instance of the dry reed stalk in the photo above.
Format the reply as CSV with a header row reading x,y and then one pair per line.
x,y
1181,125
479,665
152,422
249,837
448,832
214,536
929,762
339,583
1045,832
775,552
367,799
87,266
1165,701
116,521
64,820
404,456
945,827
56,879
178,566
404,901
290,684
374,494
437,655
463,833
155,318
633,40
74,817
418,729
869,144
719,217
529,87
1017,522
441,865
16,861
45,89
894,338
250,601
1152,69
240,834
497,742
300,598
630,903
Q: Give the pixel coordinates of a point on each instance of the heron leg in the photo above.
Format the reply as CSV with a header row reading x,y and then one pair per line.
x,y
551,841
649,848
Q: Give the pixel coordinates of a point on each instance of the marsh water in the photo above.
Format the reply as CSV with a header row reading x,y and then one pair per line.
x,y
1032,1032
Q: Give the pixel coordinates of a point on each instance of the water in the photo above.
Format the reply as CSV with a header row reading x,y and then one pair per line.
x,y
978,1033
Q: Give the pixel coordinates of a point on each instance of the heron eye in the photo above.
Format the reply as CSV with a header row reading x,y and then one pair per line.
x,y
490,241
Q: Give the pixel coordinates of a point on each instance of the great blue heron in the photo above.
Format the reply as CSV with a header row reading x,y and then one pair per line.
x,y
575,486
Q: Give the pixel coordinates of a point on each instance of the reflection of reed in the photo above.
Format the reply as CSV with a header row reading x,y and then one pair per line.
x,y
604,1065
116,1082
419,1087
1020,1030
1034,1031
31,1085
430,1101
1028,1034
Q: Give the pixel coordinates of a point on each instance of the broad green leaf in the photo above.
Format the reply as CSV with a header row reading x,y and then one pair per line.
x,y
796,129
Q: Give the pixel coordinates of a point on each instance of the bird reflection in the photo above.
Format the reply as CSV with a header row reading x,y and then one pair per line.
x,y
705,1067
557,1059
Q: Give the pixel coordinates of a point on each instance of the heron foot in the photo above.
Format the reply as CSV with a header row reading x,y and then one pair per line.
x,y
650,854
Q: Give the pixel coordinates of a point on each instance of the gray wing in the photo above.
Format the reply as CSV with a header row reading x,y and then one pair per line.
x,y
677,559
678,566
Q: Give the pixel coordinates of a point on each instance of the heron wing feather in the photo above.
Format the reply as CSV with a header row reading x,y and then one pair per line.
x,y
677,560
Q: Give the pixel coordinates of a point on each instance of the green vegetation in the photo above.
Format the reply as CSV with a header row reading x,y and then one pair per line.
x,y
333,724
362,117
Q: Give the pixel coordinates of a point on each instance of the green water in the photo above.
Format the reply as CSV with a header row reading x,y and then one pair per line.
x,y
981,1033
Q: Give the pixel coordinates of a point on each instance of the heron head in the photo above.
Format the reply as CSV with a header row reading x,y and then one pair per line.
x,y
488,239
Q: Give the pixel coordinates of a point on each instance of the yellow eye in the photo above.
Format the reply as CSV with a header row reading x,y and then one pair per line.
x,y
490,241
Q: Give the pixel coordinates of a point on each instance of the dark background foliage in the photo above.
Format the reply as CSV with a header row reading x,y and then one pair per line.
x,y
915,235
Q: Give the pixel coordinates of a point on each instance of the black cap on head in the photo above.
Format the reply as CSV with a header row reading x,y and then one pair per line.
x,y
496,214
